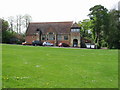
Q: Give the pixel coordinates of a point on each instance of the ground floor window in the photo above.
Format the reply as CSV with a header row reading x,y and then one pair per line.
x,y
43,37
51,37
66,37
59,37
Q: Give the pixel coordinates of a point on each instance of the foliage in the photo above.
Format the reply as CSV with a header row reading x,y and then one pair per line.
x,y
9,36
6,34
85,32
45,67
5,25
112,36
98,16
85,28
12,37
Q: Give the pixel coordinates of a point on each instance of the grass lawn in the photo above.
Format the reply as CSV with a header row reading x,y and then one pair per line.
x,y
47,67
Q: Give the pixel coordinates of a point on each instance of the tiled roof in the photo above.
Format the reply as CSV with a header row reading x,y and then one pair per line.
x,y
57,27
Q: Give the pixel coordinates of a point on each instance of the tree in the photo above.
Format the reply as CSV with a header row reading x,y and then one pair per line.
x,y
113,34
19,23
5,25
12,30
85,28
5,32
98,15
22,22
8,36
27,18
11,21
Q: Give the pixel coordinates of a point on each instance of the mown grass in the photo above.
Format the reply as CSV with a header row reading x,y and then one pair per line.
x,y
47,67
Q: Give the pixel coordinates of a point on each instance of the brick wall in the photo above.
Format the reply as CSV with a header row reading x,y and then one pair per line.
x,y
31,38
36,37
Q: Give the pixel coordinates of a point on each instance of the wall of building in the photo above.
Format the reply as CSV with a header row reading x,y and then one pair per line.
x,y
31,38
75,35
56,41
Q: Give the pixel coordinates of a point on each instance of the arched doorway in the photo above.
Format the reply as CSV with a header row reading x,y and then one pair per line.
x,y
75,43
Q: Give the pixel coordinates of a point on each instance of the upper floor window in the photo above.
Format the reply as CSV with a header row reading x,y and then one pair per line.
x,y
75,30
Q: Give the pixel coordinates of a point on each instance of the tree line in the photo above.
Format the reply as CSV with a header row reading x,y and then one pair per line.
x,y
13,29
19,23
103,27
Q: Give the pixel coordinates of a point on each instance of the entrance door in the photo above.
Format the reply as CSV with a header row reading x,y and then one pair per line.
x,y
75,43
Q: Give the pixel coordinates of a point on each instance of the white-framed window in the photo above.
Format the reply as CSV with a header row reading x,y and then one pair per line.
x,y
78,30
72,30
75,30
43,37
66,37
50,36
59,37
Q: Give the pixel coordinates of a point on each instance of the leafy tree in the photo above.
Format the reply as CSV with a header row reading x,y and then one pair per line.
x,y
9,36
5,25
6,33
85,32
85,28
12,32
113,34
98,16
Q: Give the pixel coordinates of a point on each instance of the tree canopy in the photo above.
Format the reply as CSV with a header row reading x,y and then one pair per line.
x,y
105,26
112,35
98,15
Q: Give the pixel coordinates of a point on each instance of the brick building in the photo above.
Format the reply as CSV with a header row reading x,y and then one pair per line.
x,y
54,32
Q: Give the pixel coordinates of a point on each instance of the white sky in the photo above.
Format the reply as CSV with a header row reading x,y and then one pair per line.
x,y
52,10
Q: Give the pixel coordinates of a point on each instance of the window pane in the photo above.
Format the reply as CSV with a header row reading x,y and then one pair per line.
x,y
50,32
51,37
75,30
43,37
59,37
65,37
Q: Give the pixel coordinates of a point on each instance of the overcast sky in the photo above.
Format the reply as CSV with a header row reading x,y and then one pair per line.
x,y
52,10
